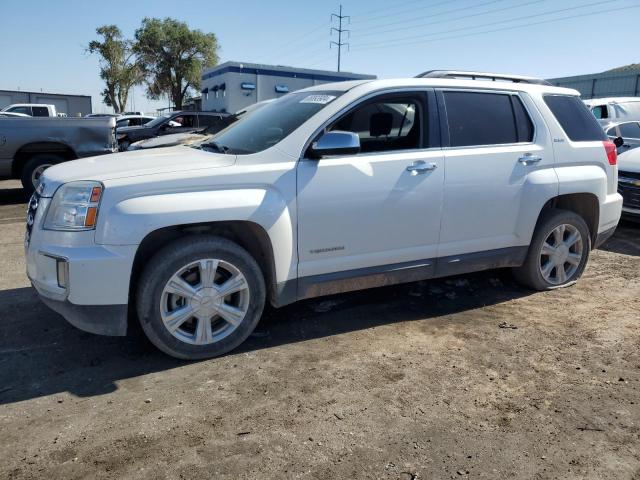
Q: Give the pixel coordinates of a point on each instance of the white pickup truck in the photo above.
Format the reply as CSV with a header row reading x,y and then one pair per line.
x,y
333,188
32,109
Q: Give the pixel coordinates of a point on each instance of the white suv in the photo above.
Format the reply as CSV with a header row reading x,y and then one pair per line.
x,y
329,189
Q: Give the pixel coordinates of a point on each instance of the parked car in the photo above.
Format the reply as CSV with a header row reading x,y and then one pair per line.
x,y
13,114
133,120
32,109
618,109
174,122
30,145
333,188
629,132
629,183
194,138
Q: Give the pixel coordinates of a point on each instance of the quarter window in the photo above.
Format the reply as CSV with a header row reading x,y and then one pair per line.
x,y
477,118
390,122
575,118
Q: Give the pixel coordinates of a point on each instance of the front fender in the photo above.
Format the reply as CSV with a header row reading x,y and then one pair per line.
x,y
130,221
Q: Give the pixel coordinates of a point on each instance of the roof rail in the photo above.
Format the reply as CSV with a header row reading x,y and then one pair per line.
x,y
481,76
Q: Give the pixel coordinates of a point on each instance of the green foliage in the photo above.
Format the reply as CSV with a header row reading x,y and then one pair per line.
x,y
172,57
117,68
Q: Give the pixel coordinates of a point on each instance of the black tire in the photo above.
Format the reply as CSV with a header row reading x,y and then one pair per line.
x,y
123,145
529,274
35,162
171,259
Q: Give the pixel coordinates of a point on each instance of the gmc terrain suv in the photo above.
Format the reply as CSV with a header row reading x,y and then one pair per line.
x,y
333,188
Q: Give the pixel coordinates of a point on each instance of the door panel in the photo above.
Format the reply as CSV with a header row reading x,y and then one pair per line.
x,y
485,184
382,206
366,210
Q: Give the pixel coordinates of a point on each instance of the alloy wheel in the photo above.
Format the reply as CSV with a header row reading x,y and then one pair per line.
x,y
204,301
561,254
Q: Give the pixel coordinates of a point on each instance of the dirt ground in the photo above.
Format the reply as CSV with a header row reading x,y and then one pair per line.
x,y
417,381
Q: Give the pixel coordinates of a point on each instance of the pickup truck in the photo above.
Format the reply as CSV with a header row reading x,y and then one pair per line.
x,y
333,188
30,145
32,109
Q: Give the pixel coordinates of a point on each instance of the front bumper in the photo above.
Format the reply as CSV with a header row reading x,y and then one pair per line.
x,y
96,290
98,319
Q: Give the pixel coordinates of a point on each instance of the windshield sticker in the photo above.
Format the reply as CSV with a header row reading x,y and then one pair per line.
x,y
320,99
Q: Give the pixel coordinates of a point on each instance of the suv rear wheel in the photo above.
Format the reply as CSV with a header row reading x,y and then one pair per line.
x,y
200,297
558,252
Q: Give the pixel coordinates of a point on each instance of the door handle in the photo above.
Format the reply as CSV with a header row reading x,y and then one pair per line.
x,y
420,166
529,159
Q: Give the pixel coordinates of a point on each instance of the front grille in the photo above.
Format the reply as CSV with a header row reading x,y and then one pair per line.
x,y
629,188
634,175
32,208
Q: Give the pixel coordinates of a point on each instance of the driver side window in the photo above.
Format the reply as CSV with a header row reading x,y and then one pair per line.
x,y
386,123
185,121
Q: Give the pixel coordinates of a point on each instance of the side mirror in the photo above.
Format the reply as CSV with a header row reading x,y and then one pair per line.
x,y
335,143
618,142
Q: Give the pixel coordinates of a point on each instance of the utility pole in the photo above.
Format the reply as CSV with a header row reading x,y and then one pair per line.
x,y
340,31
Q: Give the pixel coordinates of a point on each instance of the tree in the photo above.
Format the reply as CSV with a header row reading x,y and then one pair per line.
x,y
172,57
117,67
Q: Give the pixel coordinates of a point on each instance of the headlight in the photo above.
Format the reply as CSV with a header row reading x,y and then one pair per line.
x,y
121,136
74,206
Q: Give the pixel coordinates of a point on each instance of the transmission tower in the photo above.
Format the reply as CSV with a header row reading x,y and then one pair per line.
x,y
340,31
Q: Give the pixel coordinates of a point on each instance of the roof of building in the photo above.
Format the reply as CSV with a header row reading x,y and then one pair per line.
x,y
632,67
281,70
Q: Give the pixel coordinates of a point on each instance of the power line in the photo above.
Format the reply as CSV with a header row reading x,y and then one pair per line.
x,y
340,31
462,17
569,17
395,10
308,34
437,14
406,40
387,7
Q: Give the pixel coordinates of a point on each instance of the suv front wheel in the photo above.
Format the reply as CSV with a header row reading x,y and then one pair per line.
x,y
558,252
200,297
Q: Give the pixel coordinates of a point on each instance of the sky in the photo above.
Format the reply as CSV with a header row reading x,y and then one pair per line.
x,y
43,42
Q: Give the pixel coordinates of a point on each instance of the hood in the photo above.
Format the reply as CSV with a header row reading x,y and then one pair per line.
x,y
170,140
629,161
132,164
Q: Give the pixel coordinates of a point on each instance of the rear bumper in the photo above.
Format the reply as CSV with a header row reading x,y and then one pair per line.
x,y
610,212
603,237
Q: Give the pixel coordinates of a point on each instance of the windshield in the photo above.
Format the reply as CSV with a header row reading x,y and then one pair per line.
x,y
157,121
266,126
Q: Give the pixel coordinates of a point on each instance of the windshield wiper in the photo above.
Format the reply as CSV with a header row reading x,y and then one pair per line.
x,y
213,145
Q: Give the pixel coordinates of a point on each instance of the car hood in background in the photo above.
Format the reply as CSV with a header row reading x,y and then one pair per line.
x,y
629,161
170,140
132,164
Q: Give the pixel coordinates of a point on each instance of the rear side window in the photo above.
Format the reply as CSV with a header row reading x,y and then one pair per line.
x,y
477,118
575,118
40,112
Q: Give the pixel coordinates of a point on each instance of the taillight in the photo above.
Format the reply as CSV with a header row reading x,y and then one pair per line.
x,y
612,154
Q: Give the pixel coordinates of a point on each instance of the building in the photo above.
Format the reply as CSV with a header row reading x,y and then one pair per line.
x,y
618,82
232,86
72,105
